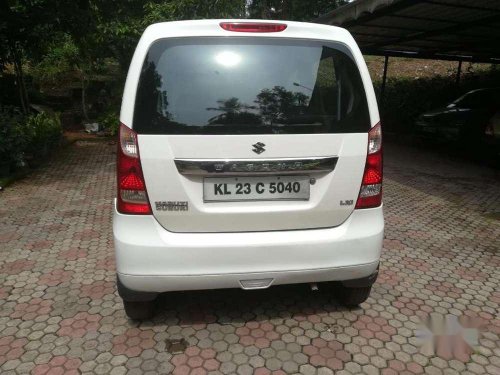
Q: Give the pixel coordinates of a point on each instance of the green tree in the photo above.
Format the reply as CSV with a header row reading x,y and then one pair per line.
x,y
62,60
120,23
175,10
27,25
13,40
297,10
30,30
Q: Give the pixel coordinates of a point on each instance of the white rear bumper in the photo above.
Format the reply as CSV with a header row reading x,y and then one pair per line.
x,y
152,259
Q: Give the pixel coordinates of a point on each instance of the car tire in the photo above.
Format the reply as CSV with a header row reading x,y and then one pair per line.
x,y
353,296
139,310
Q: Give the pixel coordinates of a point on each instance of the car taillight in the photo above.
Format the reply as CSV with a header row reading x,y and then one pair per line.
x,y
132,197
370,194
253,27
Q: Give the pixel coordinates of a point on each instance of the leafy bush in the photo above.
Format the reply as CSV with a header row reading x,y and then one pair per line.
x,y
13,138
44,133
110,121
59,62
24,137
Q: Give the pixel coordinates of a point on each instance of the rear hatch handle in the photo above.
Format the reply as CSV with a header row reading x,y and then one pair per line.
x,y
210,167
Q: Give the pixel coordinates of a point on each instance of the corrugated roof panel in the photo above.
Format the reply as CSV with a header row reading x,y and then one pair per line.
x,y
432,11
430,27
491,30
485,4
421,43
380,31
365,39
410,23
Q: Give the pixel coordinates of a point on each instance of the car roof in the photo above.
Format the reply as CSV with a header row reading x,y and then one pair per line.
x,y
211,27
495,89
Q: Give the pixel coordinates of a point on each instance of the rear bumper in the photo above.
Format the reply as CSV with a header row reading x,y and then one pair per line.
x,y
152,259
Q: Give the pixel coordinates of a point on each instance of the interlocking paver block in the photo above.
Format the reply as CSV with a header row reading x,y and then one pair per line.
x,y
32,309
11,348
133,342
254,333
17,266
58,365
195,360
79,325
55,277
98,289
60,313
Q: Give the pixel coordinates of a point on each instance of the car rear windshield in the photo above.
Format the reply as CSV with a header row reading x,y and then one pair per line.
x,y
249,86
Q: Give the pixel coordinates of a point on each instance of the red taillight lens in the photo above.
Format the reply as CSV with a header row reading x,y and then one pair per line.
x,y
132,197
373,169
370,194
253,27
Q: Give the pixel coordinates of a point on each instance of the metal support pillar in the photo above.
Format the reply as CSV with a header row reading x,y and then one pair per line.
x,y
459,72
384,77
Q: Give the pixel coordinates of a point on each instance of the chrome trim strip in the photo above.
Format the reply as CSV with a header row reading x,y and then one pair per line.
x,y
231,167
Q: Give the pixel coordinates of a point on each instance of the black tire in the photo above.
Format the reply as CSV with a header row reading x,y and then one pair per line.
x,y
139,310
353,296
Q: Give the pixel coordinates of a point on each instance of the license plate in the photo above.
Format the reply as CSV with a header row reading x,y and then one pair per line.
x,y
255,188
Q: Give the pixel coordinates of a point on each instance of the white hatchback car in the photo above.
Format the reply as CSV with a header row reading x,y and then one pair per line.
x,y
250,155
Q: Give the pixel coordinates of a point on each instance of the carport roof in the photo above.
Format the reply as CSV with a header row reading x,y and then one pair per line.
x,y
436,29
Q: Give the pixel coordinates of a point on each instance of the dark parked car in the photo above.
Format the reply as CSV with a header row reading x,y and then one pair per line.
x,y
465,120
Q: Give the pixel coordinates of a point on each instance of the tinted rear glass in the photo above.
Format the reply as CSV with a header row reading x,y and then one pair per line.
x,y
249,86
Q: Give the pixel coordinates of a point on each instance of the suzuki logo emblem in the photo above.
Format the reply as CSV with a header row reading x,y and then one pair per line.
x,y
258,148
219,167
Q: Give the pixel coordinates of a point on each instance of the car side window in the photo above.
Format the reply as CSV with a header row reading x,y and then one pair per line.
x,y
472,100
479,99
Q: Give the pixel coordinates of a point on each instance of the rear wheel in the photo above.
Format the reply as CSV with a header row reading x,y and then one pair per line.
x,y
353,296
139,310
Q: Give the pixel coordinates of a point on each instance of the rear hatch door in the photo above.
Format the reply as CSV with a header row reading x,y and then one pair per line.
x,y
251,134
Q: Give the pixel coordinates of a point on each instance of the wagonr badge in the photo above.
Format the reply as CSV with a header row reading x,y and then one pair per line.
x,y
255,166
258,148
199,205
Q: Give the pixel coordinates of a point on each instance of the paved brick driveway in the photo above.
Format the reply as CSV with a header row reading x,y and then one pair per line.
x,y
59,312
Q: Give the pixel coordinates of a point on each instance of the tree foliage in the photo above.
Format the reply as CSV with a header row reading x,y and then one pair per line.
x,y
296,10
27,26
120,23
61,59
83,32
64,60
